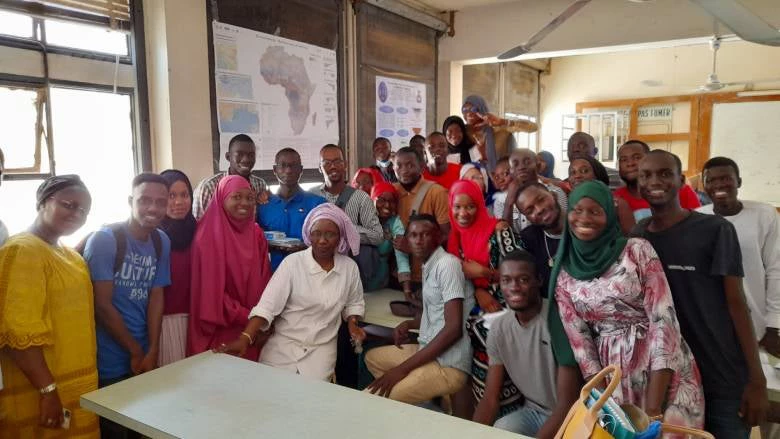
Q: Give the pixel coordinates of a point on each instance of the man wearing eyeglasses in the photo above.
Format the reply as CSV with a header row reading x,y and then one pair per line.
x,y
286,210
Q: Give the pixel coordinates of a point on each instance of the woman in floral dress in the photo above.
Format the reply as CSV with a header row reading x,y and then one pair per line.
x,y
616,307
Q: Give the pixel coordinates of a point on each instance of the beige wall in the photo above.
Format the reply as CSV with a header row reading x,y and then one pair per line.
x,y
177,71
618,75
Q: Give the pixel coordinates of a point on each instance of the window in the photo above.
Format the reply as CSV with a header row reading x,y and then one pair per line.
x,y
22,130
17,25
86,37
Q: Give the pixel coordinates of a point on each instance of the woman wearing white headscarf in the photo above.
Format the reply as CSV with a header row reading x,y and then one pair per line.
x,y
307,297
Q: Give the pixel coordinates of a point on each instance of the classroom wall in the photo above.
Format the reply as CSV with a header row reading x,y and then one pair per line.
x,y
177,72
618,76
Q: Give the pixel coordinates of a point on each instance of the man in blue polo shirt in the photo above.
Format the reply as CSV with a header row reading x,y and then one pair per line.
x,y
287,209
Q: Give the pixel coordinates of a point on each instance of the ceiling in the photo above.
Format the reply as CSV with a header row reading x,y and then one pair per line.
x,y
454,5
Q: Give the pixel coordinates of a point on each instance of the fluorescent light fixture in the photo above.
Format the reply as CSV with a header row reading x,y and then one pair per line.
x,y
747,94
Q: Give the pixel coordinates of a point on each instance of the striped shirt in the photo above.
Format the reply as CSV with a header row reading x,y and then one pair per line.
x,y
361,211
443,280
202,194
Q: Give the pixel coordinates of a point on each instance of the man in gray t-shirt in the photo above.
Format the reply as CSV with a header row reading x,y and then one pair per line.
x,y
518,344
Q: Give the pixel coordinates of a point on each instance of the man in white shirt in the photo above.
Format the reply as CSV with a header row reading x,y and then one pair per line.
x,y
440,362
758,229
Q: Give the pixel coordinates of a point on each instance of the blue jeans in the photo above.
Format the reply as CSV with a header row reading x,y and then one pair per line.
x,y
527,420
721,418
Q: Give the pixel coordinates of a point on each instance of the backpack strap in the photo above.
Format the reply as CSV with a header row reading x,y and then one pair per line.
x,y
118,230
425,186
344,196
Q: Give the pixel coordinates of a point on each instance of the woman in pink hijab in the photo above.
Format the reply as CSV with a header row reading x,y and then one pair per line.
x,y
230,268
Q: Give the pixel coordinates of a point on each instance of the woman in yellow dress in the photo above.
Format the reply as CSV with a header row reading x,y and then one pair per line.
x,y
47,325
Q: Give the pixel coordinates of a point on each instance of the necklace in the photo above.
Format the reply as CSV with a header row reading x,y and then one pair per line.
x,y
550,261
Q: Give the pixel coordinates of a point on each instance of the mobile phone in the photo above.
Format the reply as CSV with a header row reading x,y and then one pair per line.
x,y
66,414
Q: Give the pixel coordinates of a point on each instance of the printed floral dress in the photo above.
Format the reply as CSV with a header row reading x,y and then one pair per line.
x,y
626,317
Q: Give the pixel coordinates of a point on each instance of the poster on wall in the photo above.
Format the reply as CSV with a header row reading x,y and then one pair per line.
x,y
400,110
280,92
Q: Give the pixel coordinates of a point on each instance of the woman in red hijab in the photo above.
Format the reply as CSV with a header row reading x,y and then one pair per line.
x,y
230,268
479,241
365,179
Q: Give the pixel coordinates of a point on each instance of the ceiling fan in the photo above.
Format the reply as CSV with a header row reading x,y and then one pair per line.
x,y
543,32
713,82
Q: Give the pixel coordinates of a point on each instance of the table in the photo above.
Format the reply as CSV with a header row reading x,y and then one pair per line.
x,y
768,363
221,396
378,307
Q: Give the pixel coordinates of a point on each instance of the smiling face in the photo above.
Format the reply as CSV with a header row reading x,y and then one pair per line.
x,y
149,204
501,177
721,184
522,165
454,134
386,206
325,236
332,165
475,175
240,204
241,157
464,210
470,114
629,156
539,206
587,220
66,211
179,200
436,150
381,150
579,171
519,284
659,179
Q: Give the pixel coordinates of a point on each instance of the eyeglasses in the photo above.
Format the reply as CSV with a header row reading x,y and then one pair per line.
x,y
469,109
315,235
72,206
328,163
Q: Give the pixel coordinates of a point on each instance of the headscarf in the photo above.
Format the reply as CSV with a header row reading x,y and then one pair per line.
x,y
52,185
471,243
349,238
583,260
478,103
181,231
599,171
465,144
468,166
376,176
228,255
383,187
549,159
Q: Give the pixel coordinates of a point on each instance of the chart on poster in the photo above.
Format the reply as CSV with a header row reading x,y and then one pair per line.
x,y
400,110
280,92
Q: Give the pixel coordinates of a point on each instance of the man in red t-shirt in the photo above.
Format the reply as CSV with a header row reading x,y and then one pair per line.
x,y
437,169
629,155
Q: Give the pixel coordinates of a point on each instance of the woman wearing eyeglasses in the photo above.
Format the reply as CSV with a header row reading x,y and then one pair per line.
x,y
491,134
47,323
308,296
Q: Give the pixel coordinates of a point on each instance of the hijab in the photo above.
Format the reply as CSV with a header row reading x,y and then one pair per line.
x,y
181,231
349,238
478,104
383,187
376,176
465,144
475,165
549,159
472,242
228,256
583,260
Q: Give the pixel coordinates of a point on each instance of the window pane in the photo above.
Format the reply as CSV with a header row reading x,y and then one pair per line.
x,y
20,195
93,137
18,25
482,80
85,37
17,129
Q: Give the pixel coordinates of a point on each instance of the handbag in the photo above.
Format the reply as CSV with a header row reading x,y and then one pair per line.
x,y
596,415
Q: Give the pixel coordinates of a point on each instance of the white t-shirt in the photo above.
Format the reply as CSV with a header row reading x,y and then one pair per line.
x,y
758,228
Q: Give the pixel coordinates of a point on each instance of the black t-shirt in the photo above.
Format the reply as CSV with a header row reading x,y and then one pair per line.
x,y
696,254
533,238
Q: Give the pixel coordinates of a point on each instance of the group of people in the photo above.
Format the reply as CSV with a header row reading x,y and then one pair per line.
x,y
522,286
